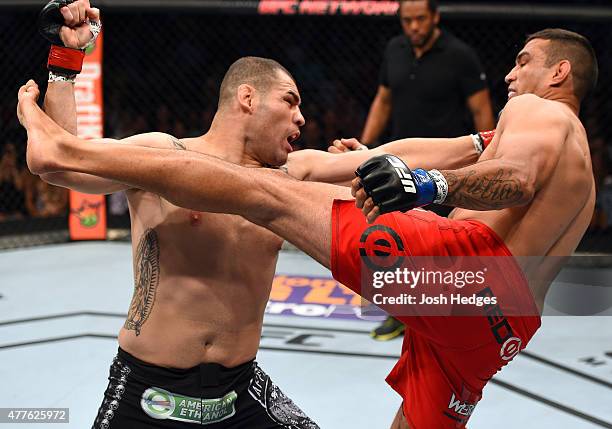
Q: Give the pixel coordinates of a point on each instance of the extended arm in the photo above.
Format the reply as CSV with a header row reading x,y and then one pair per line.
x,y
531,137
319,166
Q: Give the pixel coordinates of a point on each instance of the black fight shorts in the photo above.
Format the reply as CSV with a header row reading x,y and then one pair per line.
x,y
140,395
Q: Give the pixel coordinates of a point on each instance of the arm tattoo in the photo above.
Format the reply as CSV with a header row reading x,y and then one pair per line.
x,y
472,190
177,143
146,279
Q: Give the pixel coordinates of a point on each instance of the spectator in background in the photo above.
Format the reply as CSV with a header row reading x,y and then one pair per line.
x,y
12,201
43,199
430,84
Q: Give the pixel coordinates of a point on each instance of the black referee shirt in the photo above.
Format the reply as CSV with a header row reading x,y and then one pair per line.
x,y
429,94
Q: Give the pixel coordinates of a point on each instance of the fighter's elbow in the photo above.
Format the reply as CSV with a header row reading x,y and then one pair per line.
x,y
526,190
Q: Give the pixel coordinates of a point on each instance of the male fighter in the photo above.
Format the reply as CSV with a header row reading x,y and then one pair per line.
x,y
513,201
178,317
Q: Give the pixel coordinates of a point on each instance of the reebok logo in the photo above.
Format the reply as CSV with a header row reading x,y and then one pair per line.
x,y
461,408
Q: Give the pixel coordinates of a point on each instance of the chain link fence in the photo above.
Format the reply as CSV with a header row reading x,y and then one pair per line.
x,y
162,69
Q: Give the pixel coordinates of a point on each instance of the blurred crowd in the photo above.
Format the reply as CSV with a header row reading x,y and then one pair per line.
x,y
335,63
24,194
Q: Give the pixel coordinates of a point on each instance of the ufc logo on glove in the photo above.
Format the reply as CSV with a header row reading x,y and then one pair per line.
x,y
404,178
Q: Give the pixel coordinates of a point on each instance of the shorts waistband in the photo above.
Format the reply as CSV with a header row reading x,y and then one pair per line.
x,y
205,374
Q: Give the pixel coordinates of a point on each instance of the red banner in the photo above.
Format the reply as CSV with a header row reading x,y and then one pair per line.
x,y
88,212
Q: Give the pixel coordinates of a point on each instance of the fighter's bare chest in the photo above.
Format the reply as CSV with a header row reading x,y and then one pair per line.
x,y
186,227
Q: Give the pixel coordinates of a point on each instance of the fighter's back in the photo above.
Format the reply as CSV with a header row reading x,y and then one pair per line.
x,y
202,281
554,221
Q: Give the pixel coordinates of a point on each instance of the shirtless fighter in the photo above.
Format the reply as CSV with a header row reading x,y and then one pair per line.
x,y
183,336
538,157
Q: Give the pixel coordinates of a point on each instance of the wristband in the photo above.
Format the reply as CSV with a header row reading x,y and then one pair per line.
x,y
65,60
486,137
441,186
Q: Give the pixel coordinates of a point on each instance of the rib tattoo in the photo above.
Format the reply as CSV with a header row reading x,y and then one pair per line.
x,y
146,279
489,192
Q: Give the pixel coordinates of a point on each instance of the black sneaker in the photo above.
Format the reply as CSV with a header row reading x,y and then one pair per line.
x,y
389,329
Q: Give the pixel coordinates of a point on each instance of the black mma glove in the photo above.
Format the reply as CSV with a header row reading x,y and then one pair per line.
x,y
393,186
63,61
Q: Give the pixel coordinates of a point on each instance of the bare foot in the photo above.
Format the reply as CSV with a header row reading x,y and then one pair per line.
x,y
42,152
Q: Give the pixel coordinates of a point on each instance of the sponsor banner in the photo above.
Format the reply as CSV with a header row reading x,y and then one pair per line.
x,y
327,7
87,219
315,297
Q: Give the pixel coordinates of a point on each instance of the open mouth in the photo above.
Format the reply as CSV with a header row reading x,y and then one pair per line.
x,y
293,137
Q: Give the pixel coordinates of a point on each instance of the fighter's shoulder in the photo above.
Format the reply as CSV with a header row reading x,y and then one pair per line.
x,y
531,108
299,163
157,140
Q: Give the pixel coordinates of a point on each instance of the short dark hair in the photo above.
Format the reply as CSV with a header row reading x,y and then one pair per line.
x,y
567,45
432,5
255,71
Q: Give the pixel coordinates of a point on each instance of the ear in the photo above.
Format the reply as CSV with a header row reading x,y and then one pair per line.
x,y
245,95
436,18
561,72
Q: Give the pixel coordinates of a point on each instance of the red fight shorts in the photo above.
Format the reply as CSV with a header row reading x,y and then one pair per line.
x,y
446,360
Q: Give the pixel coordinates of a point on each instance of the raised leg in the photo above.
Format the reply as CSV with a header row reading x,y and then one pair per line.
x,y
300,212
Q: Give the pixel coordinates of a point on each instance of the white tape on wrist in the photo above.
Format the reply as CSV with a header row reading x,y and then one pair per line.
x,y
95,27
478,144
54,77
441,186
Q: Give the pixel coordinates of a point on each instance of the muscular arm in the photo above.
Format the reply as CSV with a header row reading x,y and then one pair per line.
x,y
60,103
482,112
319,166
377,120
532,136
488,185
